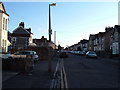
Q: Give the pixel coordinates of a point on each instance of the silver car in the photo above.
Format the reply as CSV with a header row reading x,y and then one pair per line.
x,y
91,54
27,54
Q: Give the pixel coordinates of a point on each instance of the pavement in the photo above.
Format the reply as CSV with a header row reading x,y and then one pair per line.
x,y
7,75
112,60
38,78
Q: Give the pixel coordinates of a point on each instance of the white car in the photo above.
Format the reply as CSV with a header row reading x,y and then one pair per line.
x,y
91,54
5,56
26,54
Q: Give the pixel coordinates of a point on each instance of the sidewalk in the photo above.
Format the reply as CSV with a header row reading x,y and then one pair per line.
x,y
38,78
111,60
7,75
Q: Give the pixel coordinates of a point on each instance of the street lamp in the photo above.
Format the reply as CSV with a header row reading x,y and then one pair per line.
x,y
50,32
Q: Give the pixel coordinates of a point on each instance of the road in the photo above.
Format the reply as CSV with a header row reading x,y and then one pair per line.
x,y
84,72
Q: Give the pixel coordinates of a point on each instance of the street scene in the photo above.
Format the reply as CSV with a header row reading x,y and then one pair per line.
x,y
59,45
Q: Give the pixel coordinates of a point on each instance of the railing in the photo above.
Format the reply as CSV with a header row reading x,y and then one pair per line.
x,y
59,77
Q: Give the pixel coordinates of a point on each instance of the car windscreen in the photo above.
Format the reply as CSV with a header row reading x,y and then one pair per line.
x,y
91,52
26,53
22,53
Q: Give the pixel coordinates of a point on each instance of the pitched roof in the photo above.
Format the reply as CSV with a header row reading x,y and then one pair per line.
x,y
101,34
40,40
2,8
84,41
92,36
20,30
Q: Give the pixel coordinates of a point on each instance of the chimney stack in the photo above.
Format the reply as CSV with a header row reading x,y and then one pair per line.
x,y
22,24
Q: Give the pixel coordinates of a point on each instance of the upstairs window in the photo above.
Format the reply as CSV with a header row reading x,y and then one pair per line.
x,y
3,23
6,24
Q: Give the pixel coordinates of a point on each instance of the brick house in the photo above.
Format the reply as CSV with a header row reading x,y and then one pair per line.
x,y
99,43
90,45
107,41
21,37
95,43
71,47
115,41
43,42
84,45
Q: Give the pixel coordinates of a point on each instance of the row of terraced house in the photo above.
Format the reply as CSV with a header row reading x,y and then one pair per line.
x,y
106,44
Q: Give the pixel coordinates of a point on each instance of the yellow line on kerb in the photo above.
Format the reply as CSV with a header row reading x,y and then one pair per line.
x,y
65,77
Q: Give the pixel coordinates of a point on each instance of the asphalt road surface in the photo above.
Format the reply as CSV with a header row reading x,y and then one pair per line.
x,y
84,72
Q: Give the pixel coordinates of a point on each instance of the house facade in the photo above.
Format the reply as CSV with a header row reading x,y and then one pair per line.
x,y
43,42
84,45
21,37
107,41
90,45
4,43
100,42
115,41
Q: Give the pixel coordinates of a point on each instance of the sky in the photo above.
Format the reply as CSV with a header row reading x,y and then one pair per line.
x,y
72,21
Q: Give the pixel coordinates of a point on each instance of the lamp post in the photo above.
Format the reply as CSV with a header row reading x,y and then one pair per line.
x,y
50,33
50,30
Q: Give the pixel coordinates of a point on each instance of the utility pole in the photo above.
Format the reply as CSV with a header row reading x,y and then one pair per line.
x,y
49,48
55,38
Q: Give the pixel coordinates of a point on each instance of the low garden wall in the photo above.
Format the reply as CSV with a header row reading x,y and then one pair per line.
x,y
18,64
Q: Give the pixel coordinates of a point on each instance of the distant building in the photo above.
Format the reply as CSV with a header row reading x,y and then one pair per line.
x,y
95,43
101,42
21,37
76,47
91,38
84,45
70,48
98,43
4,43
43,42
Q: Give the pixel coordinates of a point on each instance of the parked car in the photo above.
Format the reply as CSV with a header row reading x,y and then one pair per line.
x,y
81,53
5,56
63,55
26,54
76,52
91,54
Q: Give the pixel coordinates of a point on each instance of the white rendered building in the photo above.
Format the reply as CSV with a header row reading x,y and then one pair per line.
x,y
3,29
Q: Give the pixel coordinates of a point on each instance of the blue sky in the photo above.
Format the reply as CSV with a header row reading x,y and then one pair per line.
x,y
72,21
